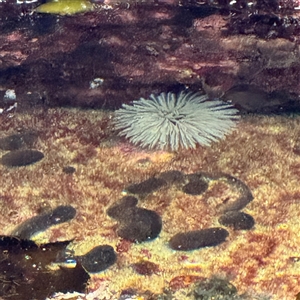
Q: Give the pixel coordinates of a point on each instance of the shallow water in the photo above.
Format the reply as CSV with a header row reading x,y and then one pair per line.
x,y
61,79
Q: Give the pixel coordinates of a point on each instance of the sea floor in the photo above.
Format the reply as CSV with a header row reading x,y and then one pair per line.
x,y
263,153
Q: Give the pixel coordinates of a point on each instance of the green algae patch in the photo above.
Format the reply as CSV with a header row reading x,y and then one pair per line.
x,y
65,7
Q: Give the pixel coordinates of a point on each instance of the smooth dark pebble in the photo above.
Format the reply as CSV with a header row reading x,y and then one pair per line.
x,y
196,185
69,170
18,141
237,220
61,214
43,221
139,225
192,240
146,187
116,211
20,158
98,259
172,176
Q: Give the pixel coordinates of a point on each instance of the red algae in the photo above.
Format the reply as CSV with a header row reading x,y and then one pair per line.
x,y
260,259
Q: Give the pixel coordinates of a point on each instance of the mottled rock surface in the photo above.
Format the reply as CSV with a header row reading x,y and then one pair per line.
x,y
123,51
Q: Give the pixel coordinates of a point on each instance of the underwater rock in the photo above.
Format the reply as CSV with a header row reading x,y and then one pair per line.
x,y
237,220
17,141
267,37
146,187
136,224
21,158
69,170
98,259
21,279
43,221
116,211
196,239
139,225
196,185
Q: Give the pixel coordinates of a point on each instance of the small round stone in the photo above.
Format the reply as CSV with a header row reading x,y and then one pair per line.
x,y
192,240
139,225
61,214
116,211
20,158
237,220
98,259
69,170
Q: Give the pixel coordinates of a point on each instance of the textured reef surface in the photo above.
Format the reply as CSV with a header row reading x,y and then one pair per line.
x,y
123,50
85,214
219,221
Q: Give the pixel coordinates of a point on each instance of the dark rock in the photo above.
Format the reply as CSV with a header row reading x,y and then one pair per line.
x,y
146,187
192,240
196,185
18,141
61,214
116,211
98,259
21,158
237,220
136,224
69,170
43,221
142,58
139,225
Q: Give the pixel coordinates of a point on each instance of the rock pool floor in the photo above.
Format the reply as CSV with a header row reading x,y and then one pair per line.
x,y
263,152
